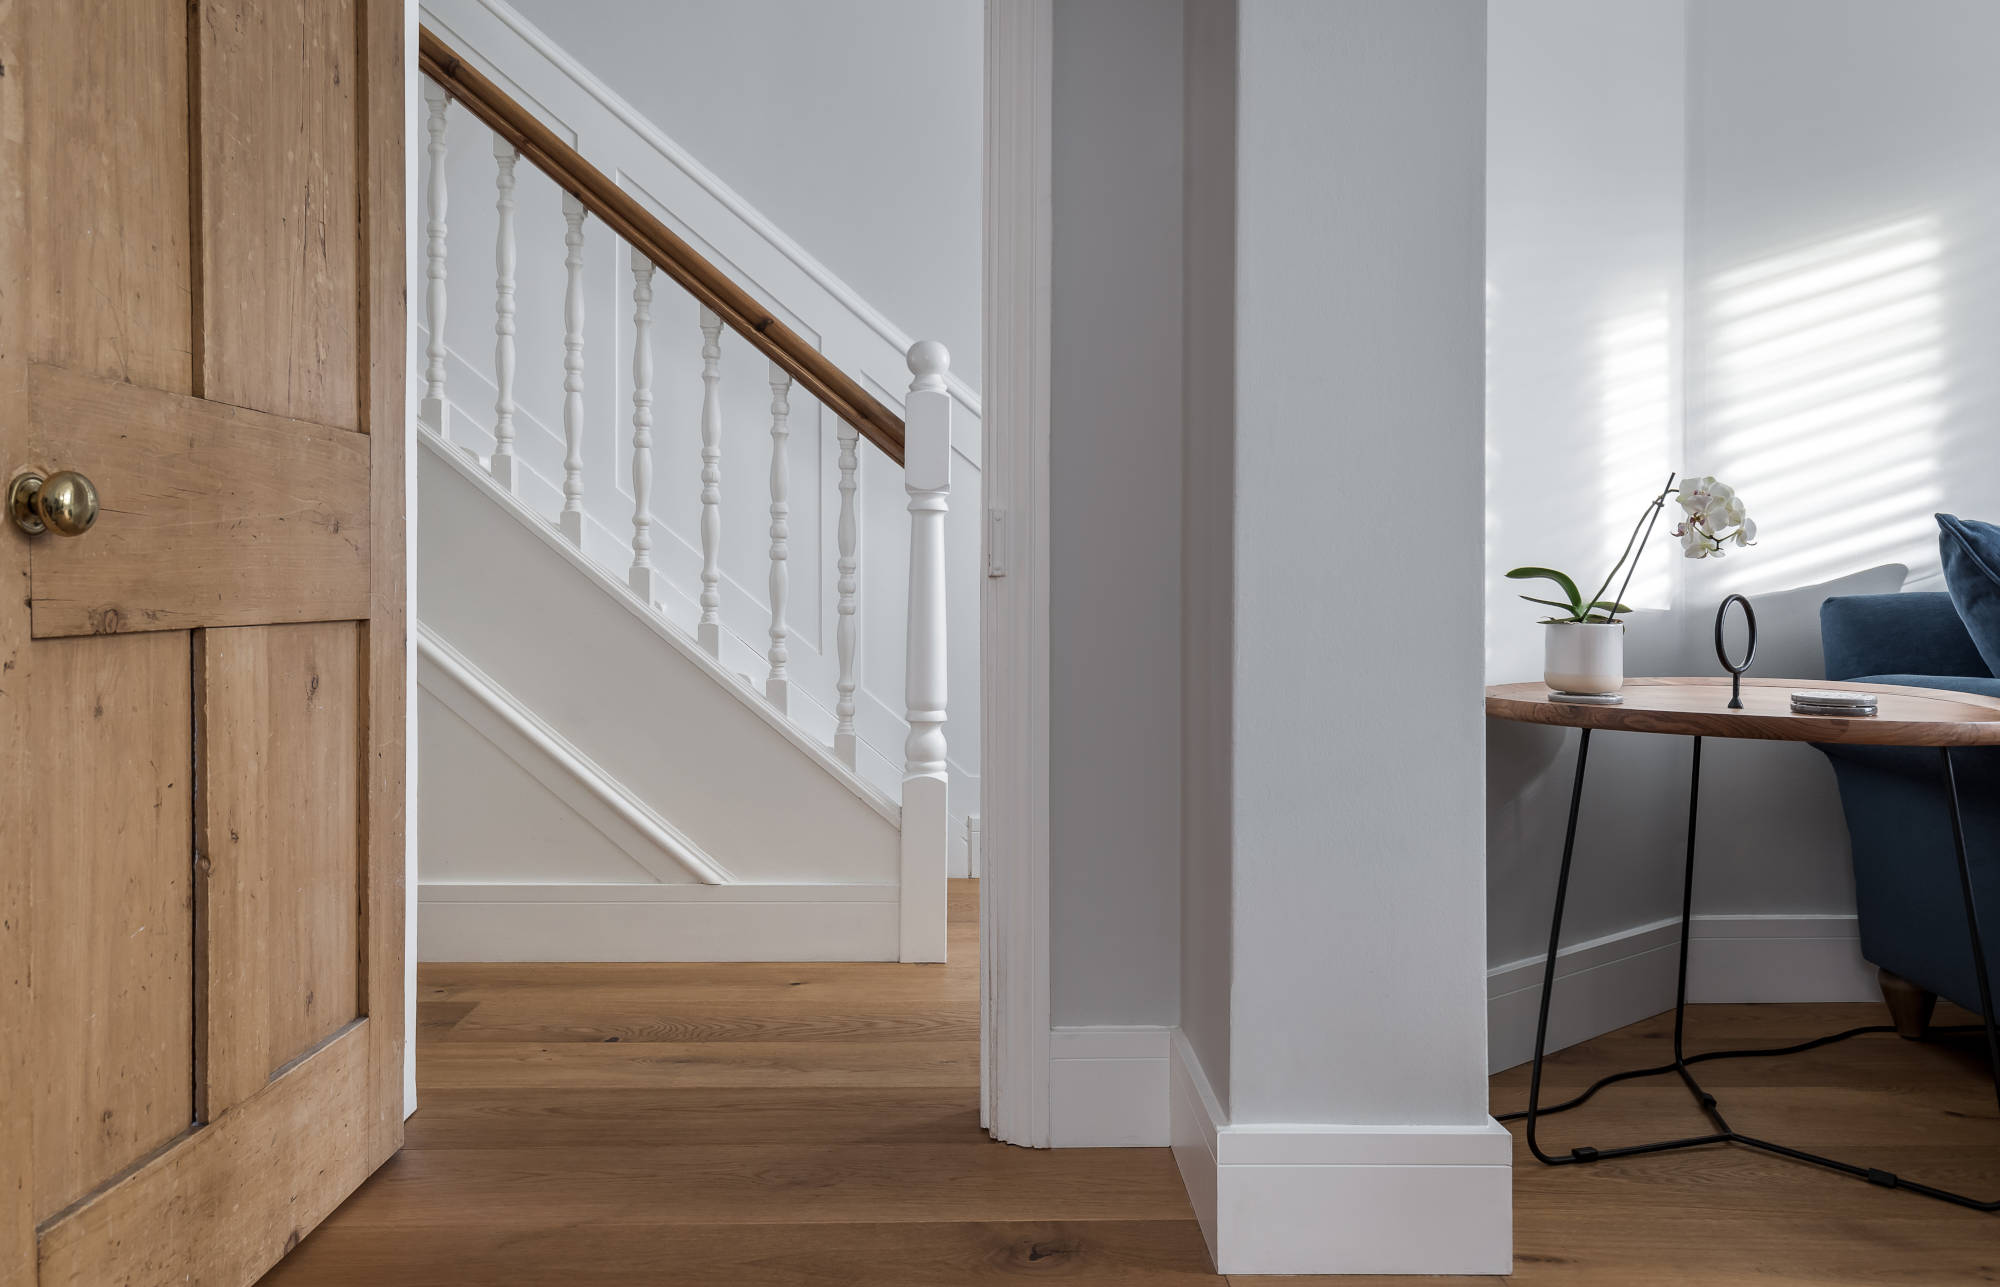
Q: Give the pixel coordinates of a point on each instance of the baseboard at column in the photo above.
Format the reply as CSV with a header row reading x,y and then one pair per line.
x,y
1331,1199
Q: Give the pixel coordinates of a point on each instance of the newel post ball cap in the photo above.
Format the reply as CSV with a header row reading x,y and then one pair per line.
x,y
929,360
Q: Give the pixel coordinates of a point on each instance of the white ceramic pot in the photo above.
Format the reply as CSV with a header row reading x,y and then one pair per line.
x,y
1580,658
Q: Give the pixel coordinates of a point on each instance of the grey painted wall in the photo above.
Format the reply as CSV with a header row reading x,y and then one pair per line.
x,y
1359,864
1208,539
855,127
1114,521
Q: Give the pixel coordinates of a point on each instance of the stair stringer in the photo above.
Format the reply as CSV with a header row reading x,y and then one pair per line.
x,y
634,697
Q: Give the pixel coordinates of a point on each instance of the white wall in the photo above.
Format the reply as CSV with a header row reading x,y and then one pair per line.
x,y
1823,211
1584,229
1114,522
1585,248
1844,196
1358,941
854,126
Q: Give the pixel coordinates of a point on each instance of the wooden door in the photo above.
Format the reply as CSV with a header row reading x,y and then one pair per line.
x,y
201,697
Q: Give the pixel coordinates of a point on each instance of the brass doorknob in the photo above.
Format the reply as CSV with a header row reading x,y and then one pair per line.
x,y
64,503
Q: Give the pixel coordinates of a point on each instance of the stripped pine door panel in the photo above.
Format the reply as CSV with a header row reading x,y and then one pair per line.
x,y
201,696
114,989
279,725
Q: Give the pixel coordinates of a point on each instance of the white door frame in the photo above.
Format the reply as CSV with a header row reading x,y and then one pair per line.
x,y
1014,603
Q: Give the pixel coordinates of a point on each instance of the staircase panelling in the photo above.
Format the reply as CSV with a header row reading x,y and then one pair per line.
x,y
799,291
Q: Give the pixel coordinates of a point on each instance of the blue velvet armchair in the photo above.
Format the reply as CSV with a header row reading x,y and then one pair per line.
x,y
1905,872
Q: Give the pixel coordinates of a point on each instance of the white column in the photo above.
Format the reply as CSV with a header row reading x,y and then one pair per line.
x,y
709,631
434,410
776,684
926,848
504,157
571,520
642,576
847,586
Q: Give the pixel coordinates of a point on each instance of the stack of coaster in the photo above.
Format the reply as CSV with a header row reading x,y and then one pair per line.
x,y
1832,702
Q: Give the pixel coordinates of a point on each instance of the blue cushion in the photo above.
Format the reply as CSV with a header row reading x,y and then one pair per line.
x,y
1971,554
1900,634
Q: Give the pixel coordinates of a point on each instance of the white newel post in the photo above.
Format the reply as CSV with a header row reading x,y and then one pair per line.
x,y
779,680
571,519
709,630
434,410
641,577
847,587
504,157
926,816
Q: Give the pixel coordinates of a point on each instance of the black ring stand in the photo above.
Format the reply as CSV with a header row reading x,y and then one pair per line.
x,y
1722,653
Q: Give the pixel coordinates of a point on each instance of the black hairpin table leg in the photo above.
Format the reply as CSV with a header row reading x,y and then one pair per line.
x,y
1971,917
1723,1134
1585,1153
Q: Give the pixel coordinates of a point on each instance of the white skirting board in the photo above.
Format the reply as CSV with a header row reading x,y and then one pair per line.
x,y
1606,983
1108,1087
485,922
1332,1199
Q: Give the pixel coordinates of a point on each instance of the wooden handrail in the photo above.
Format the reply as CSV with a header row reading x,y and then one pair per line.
x,y
738,309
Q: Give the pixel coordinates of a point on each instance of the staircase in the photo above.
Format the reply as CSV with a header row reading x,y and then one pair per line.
x,y
627,753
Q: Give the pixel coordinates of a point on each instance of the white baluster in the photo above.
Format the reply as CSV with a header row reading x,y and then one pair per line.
x,y
434,410
926,842
779,681
643,573
571,520
850,564
709,630
504,157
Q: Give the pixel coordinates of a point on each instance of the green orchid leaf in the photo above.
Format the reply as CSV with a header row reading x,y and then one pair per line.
x,y
1609,606
1551,603
1550,574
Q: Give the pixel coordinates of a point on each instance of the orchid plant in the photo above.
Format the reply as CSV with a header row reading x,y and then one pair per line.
x,y
1714,516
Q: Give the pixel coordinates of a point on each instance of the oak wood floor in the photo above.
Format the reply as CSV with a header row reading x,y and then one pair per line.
x,y
818,1124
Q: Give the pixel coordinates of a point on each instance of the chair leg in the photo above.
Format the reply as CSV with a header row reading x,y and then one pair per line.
x,y
1910,1006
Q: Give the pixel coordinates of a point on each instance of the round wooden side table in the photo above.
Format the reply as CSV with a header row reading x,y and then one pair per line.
x,y
1697,708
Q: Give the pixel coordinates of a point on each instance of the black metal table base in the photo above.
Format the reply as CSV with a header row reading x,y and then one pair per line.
x,y
1722,1132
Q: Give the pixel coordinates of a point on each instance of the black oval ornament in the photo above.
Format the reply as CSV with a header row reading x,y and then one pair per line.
x,y
1736,669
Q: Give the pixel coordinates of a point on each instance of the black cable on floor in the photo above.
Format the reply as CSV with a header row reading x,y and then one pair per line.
x,y
1707,1056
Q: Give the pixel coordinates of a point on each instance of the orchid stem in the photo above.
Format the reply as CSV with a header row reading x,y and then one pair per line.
x,y
1658,504
1646,521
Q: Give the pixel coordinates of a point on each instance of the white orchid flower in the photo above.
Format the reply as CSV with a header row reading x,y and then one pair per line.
x,y
1715,516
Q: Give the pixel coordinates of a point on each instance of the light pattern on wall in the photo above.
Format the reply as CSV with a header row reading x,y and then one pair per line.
x,y
1826,393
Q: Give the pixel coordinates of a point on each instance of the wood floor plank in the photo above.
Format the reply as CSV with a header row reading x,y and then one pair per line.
x,y
678,1020
454,1065
1165,1252
719,1184
538,1117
